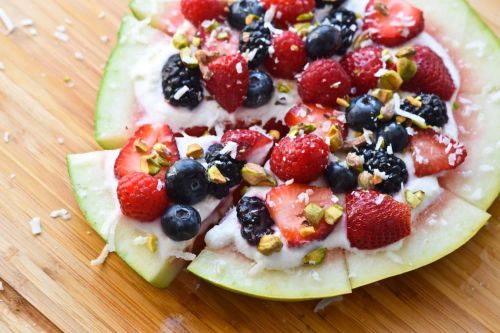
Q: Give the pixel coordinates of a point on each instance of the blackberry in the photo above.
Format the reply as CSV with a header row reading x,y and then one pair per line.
x,y
255,41
363,112
433,109
239,10
333,3
393,167
212,152
176,76
344,21
254,219
230,168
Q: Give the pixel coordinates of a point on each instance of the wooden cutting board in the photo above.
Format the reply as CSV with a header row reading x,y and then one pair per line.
x,y
47,94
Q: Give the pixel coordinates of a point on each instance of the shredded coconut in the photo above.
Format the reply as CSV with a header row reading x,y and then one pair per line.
x,y
304,196
324,303
289,182
379,199
102,257
7,22
6,137
101,15
27,22
62,36
389,149
159,185
239,68
269,15
231,148
62,213
1,286
78,55
60,140
179,93
140,240
104,39
2,66
36,226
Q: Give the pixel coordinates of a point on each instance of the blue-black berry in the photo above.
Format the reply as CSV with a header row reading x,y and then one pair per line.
x,y
230,168
363,112
341,178
181,222
344,21
255,40
186,182
254,218
394,135
239,10
260,89
433,109
333,3
323,42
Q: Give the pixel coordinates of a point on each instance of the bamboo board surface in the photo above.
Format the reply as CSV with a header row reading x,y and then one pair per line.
x,y
49,284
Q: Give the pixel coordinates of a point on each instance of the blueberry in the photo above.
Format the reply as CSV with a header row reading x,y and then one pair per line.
x,y
181,222
363,112
254,218
341,178
260,89
394,135
212,152
186,182
230,169
323,42
239,10
333,3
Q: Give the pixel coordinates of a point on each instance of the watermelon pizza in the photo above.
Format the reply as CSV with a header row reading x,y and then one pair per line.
x,y
293,149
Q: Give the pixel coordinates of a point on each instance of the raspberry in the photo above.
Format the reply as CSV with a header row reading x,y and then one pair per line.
x,y
287,11
303,158
198,11
289,56
323,81
142,196
361,65
229,81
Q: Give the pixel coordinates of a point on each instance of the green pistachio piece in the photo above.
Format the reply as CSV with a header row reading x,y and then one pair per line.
x,y
256,175
333,214
414,199
365,180
315,257
335,137
305,17
180,41
140,146
313,213
391,80
406,52
383,95
215,176
306,231
152,243
269,244
188,58
407,68
195,151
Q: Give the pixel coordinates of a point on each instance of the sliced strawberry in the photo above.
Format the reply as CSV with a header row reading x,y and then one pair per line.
x,y
322,117
252,146
222,40
392,22
286,205
375,220
434,152
129,159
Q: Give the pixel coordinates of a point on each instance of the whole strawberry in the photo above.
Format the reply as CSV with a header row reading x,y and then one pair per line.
x,y
287,11
253,146
432,76
323,81
302,158
375,220
142,197
198,11
361,65
289,56
228,81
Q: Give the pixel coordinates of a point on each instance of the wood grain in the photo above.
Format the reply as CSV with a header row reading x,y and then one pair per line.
x,y
48,280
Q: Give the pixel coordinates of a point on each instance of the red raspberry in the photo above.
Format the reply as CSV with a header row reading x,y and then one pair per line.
x,y
198,11
302,158
142,196
289,56
229,81
287,11
323,81
361,65
432,75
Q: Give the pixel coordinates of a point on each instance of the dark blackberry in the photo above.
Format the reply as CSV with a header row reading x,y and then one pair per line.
x,y
230,168
175,76
433,109
212,152
254,219
393,167
362,113
255,41
333,3
344,21
239,10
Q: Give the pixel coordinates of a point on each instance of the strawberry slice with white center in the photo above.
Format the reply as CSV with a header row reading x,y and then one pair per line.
x,y
322,117
392,22
433,152
252,147
286,205
151,145
375,220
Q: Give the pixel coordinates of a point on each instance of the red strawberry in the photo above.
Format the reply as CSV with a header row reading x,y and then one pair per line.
x,y
361,65
375,220
323,81
198,11
252,146
302,158
222,40
322,117
286,205
392,22
129,159
433,152
142,196
229,81
287,11
289,56
432,75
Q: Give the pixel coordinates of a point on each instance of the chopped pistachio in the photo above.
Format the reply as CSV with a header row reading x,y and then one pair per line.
x,y
342,102
215,176
188,58
313,213
152,242
365,180
414,101
305,17
407,68
377,179
256,175
306,231
222,35
196,42
303,28
359,140
251,18
315,257
365,35
456,106
283,87
335,137
162,162
275,134
149,164
383,95
400,119
354,161
414,199
304,127
391,80
195,151
333,214
387,112
269,244
140,145
406,52
244,190
180,41
245,36
382,8
162,150
212,26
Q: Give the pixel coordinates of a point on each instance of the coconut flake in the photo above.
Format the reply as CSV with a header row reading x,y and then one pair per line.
x,y
6,137
379,199
60,140
389,149
78,55
289,182
7,22
36,226
159,185
104,39
179,93
102,257
269,15
230,148
2,66
140,240
62,213
239,68
62,36
380,141
324,303
1,286
27,22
